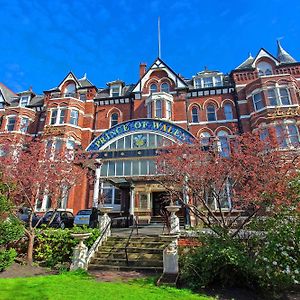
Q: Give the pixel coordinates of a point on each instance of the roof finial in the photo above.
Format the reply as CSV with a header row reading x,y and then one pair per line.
x,y
250,55
282,55
158,29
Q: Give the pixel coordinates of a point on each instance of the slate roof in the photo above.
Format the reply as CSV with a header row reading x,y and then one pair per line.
x,y
105,93
283,56
7,93
247,64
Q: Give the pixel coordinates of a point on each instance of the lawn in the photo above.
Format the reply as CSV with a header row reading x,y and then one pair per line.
x,y
80,286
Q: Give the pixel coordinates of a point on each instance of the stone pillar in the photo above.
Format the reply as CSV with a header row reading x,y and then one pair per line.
x,y
96,187
170,259
132,200
105,219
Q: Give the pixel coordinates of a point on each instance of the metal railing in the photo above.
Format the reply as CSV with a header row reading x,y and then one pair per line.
x,y
135,226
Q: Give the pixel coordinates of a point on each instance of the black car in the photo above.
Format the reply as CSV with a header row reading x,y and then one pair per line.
x,y
58,219
24,213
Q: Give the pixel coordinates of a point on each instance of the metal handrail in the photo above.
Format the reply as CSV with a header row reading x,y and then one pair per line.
x,y
129,238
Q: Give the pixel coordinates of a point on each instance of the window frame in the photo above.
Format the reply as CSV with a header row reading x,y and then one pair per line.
x,y
24,127
23,103
210,113
114,121
255,103
158,110
12,117
163,87
151,90
228,114
195,116
278,96
74,119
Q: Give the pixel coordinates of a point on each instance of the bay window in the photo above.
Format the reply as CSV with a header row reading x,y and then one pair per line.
x,y
10,125
24,124
278,96
287,135
168,109
158,109
57,116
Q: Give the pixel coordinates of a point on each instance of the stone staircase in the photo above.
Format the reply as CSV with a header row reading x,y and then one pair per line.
x,y
159,220
145,253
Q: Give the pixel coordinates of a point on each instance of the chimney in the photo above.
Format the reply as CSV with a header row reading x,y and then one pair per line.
x,y
142,69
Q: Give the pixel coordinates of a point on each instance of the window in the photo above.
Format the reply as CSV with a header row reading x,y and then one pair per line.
x,y
153,88
158,109
211,113
284,96
115,91
165,87
195,115
218,81
264,69
287,135
1,101
70,144
24,101
114,119
10,125
70,90
278,96
149,110
272,97
223,144
208,82
74,117
82,97
143,203
228,111
198,84
112,195
58,116
58,145
24,124
168,109
205,140
258,101
53,116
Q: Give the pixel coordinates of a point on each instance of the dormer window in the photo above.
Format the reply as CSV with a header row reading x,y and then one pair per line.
x,y
264,69
208,81
115,90
153,88
70,90
165,87
24,100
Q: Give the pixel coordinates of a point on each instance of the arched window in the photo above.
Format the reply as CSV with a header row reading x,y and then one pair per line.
x,y
114,119
153,88
70,90
211,113
205,140
158,109
165,87
195,115
228,111
264,69
223,143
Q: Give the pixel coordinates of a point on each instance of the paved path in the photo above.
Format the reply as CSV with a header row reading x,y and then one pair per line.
x,y
115,276
151,229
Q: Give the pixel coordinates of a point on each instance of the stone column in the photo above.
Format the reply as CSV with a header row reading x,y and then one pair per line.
x,y
96,187
132,200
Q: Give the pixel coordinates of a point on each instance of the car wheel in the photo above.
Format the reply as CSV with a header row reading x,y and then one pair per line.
x,y
62,225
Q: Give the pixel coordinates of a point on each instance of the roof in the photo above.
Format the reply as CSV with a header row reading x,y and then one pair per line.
x,y
105,92
7,93
283,56
247,64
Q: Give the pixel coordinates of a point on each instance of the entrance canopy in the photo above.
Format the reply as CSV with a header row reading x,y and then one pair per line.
x,y
158,127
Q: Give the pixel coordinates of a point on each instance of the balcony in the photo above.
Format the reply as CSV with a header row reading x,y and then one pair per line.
x,y
159,96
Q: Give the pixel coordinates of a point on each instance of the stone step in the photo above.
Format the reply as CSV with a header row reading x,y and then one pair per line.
x,y
143,238
123,262
131,249
136,244
133,256
125,268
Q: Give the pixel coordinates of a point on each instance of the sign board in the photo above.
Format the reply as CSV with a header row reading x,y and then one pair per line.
x,y
162,127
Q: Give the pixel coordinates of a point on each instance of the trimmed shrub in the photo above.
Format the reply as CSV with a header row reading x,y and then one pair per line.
x,y
54,247
7,257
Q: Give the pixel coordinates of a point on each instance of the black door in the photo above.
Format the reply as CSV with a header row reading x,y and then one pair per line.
x,y
160,200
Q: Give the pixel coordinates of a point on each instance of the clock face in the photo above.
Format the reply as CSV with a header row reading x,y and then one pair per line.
x,y
140,141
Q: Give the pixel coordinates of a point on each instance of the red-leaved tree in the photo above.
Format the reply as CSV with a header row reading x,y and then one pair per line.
x,y
229,189
35,171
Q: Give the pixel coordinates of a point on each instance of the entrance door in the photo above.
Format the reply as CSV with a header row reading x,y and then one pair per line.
x,y
160,200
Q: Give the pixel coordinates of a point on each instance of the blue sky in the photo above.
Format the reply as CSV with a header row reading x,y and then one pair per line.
x,y
42,40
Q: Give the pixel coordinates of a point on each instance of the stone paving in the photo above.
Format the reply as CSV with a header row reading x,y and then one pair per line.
x,y
113,276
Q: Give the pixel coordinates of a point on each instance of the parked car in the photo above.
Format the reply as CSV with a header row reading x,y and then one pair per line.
x,y
88,217
58,219
83,217
24,213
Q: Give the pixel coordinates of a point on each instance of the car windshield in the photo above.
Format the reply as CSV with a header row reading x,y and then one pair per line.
x,y
48,214
84,212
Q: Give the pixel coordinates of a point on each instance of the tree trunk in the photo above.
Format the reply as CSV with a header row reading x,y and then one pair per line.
x,y
31,237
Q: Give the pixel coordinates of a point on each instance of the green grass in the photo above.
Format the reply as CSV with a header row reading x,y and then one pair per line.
x,y
80,286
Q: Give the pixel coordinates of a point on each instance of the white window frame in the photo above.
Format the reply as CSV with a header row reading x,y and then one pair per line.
x,y
113,88
278,96
7,122
256,102
207,113
168,109
158,110
106,186
74,119
149,110
163,89
23,103
196,116
58,116
23,128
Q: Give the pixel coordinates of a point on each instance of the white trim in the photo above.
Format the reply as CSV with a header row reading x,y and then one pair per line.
x,y
245,116
214,122
243,101
180,122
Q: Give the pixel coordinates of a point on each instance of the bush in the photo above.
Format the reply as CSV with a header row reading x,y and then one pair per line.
x,y
269,261
220,260
277,258
7,257
54,247
10,230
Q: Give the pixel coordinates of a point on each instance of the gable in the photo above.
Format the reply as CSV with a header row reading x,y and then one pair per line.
x,y
72,77
263,53
159,65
